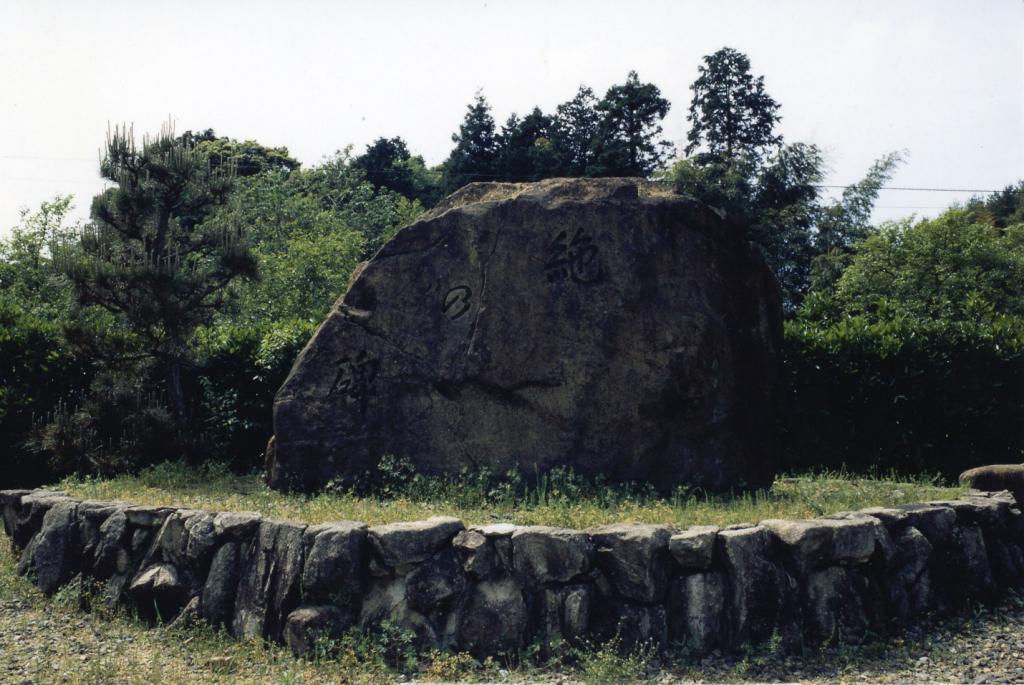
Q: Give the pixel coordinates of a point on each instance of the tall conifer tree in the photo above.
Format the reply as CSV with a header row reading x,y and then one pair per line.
x,y
147,260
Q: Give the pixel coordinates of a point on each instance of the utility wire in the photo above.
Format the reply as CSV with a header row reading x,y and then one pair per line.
x,y
926,190
49,159
500,176
813,185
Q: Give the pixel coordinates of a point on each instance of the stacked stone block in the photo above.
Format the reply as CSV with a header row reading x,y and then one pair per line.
x,y
495,588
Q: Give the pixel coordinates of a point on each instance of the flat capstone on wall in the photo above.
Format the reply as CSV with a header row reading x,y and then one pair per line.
x,y
496,588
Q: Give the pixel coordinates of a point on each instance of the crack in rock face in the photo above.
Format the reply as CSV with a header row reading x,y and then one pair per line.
x,y
601,324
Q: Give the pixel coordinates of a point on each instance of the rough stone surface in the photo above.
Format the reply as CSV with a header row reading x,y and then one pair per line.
x,y
493,619
91,515
694,547
54,555
387,600
269,586
308,623
987,512
834,605
761,592
696,611
235,525
110,555
171,541
10,505
334,569
816,543
635,559
43,643
398,544
479,557
29,518
563,613
890,517
147,517
158,592
603,324
218,595
201,540
936,522
632,623
541,555
906,584
997,477
187,617
966,565
436,584
492,589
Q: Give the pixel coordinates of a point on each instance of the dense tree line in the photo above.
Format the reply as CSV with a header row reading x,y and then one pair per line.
x,y
160,328
617,135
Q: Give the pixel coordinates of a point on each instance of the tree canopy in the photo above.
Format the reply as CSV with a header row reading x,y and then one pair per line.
x,y
525,149
476,147
952,268
618,135
246,157
574,132
731,116
738,163
629,132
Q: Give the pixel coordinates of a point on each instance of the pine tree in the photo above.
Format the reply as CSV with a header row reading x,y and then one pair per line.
x,y
147,261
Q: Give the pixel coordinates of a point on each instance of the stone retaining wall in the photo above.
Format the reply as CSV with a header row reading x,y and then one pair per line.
x,y
489,589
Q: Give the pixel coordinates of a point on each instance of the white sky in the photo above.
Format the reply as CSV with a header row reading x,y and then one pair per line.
x,y
942,79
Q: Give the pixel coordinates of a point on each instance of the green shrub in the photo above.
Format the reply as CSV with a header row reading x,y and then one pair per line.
x,y
37,371
612,663
907,394
240,369
114,427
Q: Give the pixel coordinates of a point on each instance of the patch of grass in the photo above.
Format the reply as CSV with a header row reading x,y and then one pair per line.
x,y
557,498
611,664
445,667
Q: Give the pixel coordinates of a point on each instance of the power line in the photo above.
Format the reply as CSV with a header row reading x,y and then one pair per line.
x,y
493,176
77,181
506,176
925,190
49,159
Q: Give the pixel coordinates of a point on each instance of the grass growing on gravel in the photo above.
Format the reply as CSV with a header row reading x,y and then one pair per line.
x,y
556,498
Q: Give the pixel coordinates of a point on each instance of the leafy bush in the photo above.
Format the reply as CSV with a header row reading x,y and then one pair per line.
x,y
915,361
612,662
240,370
112,428
905,394
37,371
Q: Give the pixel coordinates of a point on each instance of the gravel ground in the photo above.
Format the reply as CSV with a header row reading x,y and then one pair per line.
x,y
45,641
987,647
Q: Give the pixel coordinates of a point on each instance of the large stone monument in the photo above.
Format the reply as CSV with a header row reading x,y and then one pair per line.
x,y
602,324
